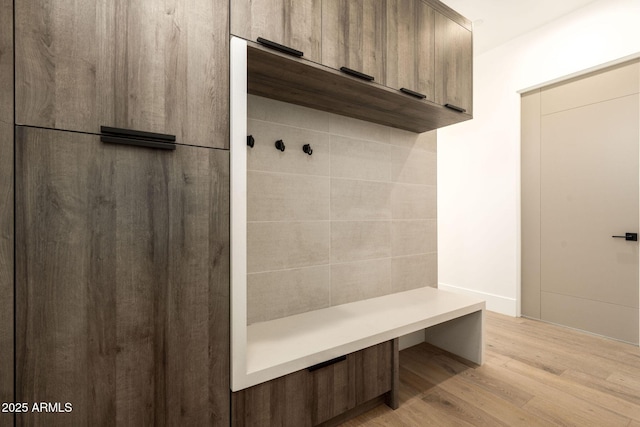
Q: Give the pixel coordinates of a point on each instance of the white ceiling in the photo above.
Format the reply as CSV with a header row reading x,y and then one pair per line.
x,y
498,21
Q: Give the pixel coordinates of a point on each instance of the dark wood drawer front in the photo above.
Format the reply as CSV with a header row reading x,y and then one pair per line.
x,y
309,398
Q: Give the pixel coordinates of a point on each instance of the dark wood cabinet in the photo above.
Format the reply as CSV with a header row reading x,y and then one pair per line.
x,y
313,397
453,63
334,390
6,208
293,23
425,50
354,36
410,46
6,269
122,281
374,371
146,65
401,36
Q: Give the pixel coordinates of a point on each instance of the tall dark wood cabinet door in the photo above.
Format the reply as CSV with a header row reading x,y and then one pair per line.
x,y
453,56
293,23
354,36
137,64
6,269
6,208
122,282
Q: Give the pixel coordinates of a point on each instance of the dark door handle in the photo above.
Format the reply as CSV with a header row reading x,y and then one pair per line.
x,y
357,74
280,47
631,237
138,138
327,363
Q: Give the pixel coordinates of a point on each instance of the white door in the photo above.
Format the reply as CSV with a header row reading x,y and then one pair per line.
x,y
589,166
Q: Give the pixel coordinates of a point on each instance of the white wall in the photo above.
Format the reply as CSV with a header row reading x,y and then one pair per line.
x,y
479,160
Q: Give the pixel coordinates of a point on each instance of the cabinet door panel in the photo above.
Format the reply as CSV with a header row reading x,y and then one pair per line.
x,y
122,281
401,44
6,207
374,371
410,46
6,268
354,36
333,390
284,401
151,66
293,23
425,50
453,63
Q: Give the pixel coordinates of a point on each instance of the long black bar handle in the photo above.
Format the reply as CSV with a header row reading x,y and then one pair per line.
x,y
455,108
413,93
282,48
137,134
357,74
327,363
137,142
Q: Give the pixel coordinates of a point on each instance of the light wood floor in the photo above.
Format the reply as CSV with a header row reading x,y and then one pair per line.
x,y
535,374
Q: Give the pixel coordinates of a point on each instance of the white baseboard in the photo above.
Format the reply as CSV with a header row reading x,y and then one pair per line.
x,y
497,303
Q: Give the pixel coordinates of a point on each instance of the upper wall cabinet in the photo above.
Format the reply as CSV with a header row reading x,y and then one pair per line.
x,y
354,36
453,64
410,46
293,23
146,65
419,47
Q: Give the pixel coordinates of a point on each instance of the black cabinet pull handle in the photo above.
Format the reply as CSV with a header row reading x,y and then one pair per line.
x,y
307,149
251,141
138,138
327,363
455,108
280,145
282,48
137,134
413,93
137,142
357,74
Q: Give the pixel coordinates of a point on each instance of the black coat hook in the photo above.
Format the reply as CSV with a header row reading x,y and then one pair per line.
x,y
307,149
280,145
251,141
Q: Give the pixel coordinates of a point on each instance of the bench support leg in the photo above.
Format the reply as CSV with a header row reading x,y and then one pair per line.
x,y
463,336
391,399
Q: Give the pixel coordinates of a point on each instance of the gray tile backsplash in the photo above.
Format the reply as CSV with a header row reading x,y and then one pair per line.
x,y
280,245
360,240
283,293
360,200
355,220
360,159
287,197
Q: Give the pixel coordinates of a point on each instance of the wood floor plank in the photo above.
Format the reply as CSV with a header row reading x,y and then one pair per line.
x,y
603,356
619,389
590,395
534,374
626,380
504,411
490,379
456,408
557,413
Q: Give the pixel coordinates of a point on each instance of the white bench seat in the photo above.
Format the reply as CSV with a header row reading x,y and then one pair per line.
x,y
278,347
